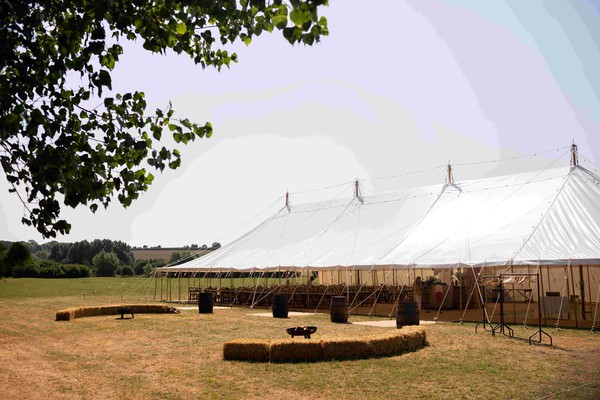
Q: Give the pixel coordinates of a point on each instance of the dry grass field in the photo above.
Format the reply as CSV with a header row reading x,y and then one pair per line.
x,y
179,356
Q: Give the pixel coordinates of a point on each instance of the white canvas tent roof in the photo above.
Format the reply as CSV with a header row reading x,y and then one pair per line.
x,y
545,217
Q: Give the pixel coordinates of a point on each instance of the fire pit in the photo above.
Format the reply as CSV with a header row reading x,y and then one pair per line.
x,y
305,331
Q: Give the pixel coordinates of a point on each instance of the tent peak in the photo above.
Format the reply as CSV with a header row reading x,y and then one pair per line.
x,y
574,158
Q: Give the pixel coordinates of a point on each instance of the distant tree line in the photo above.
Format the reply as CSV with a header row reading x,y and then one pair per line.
x,y
83,252
66,260
193,247
100,257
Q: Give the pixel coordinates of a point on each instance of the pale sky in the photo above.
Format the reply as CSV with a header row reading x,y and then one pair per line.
x,y
404,86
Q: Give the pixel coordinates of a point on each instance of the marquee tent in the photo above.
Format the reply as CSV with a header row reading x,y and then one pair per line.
x,y
544,222
549,217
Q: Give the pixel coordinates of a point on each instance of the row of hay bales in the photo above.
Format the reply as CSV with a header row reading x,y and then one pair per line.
x,y
301,350
78,312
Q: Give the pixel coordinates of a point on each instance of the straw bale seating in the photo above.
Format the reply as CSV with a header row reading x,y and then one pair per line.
x,y
290,350
79,312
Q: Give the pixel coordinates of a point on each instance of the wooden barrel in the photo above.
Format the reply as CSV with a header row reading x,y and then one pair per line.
x,y
407,313
205,302
280,306
339,309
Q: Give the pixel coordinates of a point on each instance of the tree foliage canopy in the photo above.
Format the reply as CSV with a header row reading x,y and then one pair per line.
x,y
105,263
64,136
83,252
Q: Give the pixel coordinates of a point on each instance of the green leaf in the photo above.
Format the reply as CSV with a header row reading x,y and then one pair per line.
x,y
181,28
299,17
280,21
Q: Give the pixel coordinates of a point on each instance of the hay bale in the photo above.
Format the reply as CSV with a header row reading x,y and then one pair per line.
x,y
78,312
64,315
344,349
290,350
416,338
397,342
92,311
108,310
246,350
386,345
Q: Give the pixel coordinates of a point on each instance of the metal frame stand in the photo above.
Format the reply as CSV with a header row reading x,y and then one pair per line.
x,y
502,327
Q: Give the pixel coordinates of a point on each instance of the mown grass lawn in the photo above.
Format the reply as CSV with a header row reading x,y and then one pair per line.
x,y
180,356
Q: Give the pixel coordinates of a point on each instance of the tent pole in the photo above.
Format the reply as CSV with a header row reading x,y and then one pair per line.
x,y
568,289
582,291
590,286
161,287
513,295
540,297
155,283
460,288
549,280
309,287
573,288
179,286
